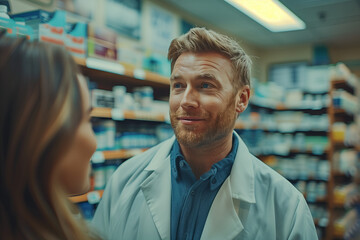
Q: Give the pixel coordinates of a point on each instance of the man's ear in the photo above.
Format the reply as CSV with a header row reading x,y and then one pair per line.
x,y
242,99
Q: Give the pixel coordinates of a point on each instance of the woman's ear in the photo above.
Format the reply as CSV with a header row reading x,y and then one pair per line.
x,y
242,99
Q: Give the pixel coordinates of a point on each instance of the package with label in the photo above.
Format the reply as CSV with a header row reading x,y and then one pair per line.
x,y
47,26
76,39
102,43
9,25
23,30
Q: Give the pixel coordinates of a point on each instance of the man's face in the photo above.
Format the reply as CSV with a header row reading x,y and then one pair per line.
x,y
202,99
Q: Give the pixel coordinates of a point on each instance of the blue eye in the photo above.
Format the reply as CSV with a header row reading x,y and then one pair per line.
x,y
177,85
205,85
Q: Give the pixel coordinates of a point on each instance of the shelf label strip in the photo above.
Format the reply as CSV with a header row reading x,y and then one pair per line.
x,y
140,74
117,114
105,66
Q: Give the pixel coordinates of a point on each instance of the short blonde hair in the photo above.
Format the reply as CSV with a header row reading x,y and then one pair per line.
x,y
199,40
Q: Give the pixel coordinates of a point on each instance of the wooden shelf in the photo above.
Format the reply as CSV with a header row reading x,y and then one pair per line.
x,y
339,205
296,151
341,144
337,199
101,112
339,235
340,111
115,69
126,114
80,61
339,174
341,83
338,81
283,107
321,200
243,126
84,197
122,153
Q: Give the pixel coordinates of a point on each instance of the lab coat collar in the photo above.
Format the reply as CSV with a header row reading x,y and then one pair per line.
x,y
161,155
232,203
157,188
239,187
242,176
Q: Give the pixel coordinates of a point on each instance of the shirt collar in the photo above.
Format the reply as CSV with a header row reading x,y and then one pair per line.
x,y
221,170
218,172
175,158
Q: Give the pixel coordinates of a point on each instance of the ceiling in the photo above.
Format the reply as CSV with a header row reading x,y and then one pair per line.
x,y
328,22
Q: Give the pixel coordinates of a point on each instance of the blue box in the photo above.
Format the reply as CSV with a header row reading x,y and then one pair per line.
x,y
47,26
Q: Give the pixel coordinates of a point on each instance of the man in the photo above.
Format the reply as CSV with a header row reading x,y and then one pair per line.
x,y
203,184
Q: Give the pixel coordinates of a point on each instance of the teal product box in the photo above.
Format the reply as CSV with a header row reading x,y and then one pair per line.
x,y
76,39
8,25
157,63
47,26
23,30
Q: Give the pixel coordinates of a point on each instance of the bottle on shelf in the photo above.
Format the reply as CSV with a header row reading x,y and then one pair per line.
x,y
4,12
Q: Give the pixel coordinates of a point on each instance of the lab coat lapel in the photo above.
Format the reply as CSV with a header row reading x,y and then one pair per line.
x,y
157,189
223,221
231,205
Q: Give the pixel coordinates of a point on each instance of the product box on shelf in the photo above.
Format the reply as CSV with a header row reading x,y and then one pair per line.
x,y
130,53
23,30
102,43
130,56
76,39
157,63
102,98
47,26
8,25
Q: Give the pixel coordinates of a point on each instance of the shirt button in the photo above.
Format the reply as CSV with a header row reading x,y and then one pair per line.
x,y
213,181
192,193
181,164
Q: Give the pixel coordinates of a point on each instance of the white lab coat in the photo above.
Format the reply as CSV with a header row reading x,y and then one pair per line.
x,y
254,202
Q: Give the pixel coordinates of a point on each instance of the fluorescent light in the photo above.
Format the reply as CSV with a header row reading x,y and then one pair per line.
x,y
272,14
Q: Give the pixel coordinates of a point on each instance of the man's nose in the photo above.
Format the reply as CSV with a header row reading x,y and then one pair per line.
x,y
190,98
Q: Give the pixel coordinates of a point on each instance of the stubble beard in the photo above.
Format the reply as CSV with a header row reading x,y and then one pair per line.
x,y
221,127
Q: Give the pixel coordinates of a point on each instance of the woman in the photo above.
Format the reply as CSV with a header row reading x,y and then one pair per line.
x,y
46,141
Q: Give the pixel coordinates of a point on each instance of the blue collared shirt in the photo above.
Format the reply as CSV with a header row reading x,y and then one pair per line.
x,y
191,198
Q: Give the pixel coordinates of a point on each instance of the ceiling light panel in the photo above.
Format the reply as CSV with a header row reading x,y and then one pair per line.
x,y
272,14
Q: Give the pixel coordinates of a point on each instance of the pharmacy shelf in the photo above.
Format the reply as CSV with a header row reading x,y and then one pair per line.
x,y
117,68
245,126
341,115
310,151
84,197
311,179
341,83
106,74
337,144
117,114
122,153
337,202
317,109
339,174
339,234
341,111
321,200
117,73
283,107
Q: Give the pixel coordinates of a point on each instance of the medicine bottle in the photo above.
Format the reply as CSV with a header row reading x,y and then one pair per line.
x,y
3,12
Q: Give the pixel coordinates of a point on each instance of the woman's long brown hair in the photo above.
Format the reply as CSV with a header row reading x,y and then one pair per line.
x,y
40,110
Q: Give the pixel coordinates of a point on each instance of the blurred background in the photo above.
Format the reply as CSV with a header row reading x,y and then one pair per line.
x,y
303,117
